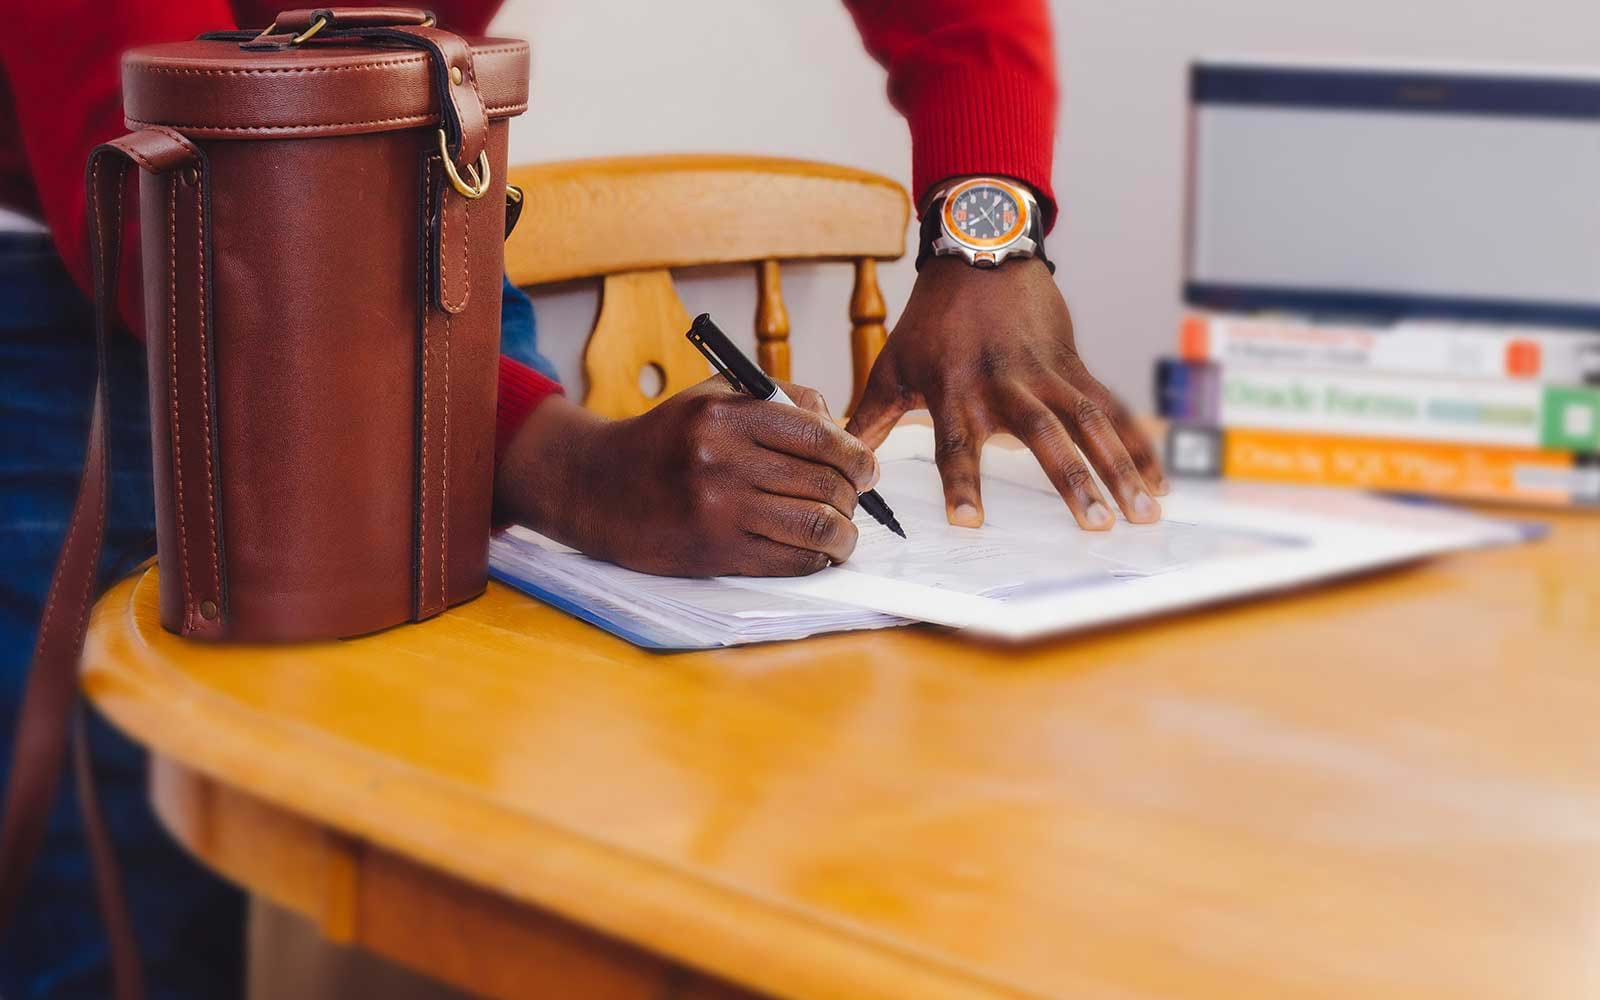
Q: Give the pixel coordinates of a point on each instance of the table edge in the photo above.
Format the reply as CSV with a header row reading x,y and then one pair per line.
x,y
158,707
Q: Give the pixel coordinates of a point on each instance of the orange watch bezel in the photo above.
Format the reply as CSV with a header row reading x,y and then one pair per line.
x,y
947,213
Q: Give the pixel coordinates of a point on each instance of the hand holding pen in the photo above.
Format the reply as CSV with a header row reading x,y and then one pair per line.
x,y
747,377
708,482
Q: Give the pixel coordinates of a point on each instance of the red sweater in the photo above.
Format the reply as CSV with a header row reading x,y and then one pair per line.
x,y
974,78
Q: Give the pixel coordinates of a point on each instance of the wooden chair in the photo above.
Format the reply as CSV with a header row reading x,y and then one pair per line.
x,y
630,220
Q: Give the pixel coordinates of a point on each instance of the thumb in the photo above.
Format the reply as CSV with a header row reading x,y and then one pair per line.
x,y
881,405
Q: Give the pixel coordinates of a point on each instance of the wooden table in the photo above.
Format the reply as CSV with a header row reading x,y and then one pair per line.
x,y
1385,788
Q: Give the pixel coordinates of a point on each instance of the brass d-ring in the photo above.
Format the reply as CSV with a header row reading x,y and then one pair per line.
x,y
316,26
480,177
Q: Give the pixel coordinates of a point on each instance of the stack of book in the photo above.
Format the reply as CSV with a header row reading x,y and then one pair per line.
x,y
1472,411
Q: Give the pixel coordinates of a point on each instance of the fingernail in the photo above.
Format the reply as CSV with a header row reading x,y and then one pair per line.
x,y
1097,516
1144,508
967,516
1163,487
877,471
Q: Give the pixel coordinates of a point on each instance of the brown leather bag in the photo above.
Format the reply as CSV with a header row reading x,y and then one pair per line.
x,y
322,212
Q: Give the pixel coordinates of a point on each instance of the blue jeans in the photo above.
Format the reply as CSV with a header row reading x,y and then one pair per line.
x,y
189,923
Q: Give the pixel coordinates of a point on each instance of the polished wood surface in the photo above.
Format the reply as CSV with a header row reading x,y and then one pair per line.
x,y
358,893
1385,788
587,218
646,215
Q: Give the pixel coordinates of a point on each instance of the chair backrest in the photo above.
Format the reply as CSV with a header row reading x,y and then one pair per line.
x,y
630,220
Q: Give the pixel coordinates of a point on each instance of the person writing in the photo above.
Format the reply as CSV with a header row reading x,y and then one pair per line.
x,y
718,483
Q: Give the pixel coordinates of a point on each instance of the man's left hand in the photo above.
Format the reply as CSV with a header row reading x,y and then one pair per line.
x,y
992,350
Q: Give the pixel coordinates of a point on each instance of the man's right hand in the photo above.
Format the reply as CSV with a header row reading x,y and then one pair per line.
x,y
708,483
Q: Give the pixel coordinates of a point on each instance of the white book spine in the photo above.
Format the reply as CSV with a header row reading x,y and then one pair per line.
x,y
1460,350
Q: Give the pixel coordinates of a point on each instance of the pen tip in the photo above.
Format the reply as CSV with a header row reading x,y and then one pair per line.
x,y
894,526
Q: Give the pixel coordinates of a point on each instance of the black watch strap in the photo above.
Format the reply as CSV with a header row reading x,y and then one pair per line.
x,y
930,231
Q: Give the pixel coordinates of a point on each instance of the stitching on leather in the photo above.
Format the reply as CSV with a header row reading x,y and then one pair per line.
x,y
100,518
444,240
72,530
477,94
408,119
422,550
472,75
179,138
205,395
483,139
444,499
466,264
143,159
172,376
427,330
280,70
101,503
498,109
497,50
140,158
466,259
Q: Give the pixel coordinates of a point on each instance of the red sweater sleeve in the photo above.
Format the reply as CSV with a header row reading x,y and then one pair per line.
x,y
521,390
976,82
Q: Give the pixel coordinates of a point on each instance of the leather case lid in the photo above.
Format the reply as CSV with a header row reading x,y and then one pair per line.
x,y
215,89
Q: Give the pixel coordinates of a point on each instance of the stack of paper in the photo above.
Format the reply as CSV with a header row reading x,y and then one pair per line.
x,y
1029,571
661,612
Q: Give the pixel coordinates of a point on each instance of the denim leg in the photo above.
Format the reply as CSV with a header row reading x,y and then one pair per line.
x,y
189,923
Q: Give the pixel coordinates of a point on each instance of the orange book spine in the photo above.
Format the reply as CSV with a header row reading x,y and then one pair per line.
x,y
1524,475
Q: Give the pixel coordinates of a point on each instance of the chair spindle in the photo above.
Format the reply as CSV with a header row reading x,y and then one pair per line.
x,y
772,321
867,333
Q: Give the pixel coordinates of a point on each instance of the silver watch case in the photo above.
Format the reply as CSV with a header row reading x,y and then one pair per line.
x,y
950,243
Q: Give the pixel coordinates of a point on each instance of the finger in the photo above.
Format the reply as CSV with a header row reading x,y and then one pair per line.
x,y
1046,436
881,406
1140,448
807,436
806,398
786,476
1092,429
760,556
956,449
803,524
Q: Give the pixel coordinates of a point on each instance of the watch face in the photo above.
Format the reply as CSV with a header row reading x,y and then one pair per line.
x,y
984,213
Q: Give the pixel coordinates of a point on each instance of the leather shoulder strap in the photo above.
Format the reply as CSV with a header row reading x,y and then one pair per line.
x,y
39,744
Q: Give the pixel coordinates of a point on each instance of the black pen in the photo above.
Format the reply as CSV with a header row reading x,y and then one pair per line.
x,y
747,377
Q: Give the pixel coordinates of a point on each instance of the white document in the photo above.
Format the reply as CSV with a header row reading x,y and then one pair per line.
x,y
663,612
1029,571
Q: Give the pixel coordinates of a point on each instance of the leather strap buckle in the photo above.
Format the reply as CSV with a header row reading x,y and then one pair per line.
x,y
321,19
316,25
479,174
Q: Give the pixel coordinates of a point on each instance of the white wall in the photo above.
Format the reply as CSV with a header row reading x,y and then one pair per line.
x,y
789,78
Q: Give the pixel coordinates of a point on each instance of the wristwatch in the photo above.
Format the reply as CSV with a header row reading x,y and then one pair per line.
x,y
985,220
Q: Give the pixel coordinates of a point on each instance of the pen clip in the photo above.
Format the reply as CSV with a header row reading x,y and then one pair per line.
x,y
700,344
